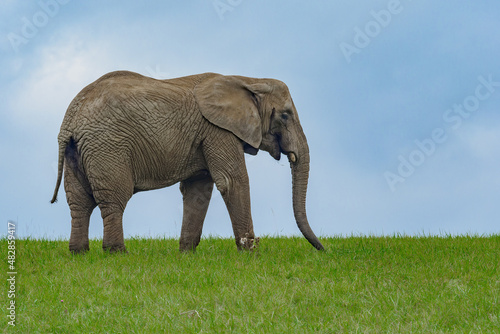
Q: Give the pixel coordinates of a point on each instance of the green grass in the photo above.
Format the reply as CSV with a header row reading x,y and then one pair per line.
x,y
360,284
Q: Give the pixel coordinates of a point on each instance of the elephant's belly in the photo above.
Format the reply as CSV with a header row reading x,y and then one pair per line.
x,y
143,185
169,171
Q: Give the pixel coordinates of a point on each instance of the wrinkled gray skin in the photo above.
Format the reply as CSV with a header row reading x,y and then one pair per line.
x,y
126,133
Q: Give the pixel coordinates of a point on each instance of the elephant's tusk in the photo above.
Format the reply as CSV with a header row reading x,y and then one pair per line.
x,y
292,157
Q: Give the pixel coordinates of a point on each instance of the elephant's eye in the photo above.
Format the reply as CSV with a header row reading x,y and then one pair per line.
x,y
285,116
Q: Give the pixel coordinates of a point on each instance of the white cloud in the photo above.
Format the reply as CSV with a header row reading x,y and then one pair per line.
x,y
63,70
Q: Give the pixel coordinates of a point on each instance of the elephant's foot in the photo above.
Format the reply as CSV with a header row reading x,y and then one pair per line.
x,y
79,249
119,248
248,243
187,247
187,250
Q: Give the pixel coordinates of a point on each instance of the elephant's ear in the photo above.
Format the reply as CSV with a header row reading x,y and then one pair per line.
x,y
231,102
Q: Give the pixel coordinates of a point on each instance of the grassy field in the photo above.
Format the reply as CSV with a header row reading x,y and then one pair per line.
x,y
359,285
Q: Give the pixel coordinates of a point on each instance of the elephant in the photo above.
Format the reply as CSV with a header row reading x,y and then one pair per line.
x,y
126,133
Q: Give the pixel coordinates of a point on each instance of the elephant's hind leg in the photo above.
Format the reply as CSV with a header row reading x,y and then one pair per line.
x,y
81,204
196,194
112,214
113,240
112,190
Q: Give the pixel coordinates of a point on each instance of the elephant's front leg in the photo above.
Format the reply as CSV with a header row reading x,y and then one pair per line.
x,y
226,162
235,190
196,194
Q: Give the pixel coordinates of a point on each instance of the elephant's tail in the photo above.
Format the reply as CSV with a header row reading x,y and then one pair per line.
x,y
63,142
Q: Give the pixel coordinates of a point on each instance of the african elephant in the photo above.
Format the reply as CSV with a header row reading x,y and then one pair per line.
x,y
126,133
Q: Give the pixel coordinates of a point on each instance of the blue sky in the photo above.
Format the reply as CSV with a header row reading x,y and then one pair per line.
x,y
400,101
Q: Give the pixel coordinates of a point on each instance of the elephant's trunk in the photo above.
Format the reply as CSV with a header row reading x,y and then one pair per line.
x,y
299,164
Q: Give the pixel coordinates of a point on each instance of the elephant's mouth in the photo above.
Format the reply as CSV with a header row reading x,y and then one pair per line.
x,y
292,156
275,148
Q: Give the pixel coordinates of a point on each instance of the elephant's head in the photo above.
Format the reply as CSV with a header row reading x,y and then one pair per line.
x,y
262,114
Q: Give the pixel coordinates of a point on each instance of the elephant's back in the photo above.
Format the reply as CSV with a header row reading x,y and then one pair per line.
x,y
127,99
